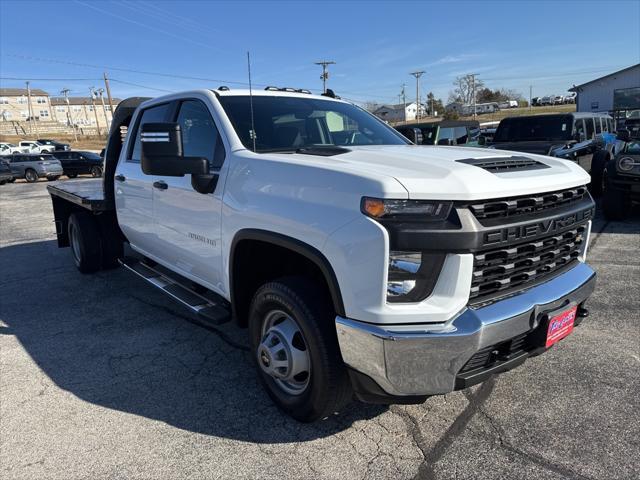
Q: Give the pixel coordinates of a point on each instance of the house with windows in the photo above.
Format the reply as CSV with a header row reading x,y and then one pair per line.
x,y
399,112
14,104
82,111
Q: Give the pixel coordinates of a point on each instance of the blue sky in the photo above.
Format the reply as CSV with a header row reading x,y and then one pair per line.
x,y
375,44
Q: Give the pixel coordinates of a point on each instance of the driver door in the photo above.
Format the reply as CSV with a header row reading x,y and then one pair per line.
x,y
188,223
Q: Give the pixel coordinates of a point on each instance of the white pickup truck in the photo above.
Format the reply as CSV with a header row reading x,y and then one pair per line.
x,y
360,263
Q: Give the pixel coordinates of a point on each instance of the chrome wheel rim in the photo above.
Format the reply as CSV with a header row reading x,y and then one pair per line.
x,y
283,353
30,176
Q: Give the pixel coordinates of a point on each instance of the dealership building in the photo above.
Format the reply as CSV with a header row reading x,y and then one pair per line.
x,y
617,92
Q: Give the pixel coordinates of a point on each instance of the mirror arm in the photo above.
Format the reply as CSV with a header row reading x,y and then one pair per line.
x,y
204,183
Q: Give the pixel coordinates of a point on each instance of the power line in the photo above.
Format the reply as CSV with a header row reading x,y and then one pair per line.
x,y
52,79
141,86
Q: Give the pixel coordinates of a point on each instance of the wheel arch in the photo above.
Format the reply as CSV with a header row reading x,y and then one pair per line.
x,y
283,243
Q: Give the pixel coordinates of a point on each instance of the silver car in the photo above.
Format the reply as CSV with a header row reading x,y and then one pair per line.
x,y
31,167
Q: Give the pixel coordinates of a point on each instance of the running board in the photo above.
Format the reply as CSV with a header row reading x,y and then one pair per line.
x,y
204,307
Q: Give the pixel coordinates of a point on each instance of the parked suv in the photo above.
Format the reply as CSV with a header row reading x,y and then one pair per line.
x,y
55,145
445,132
621,179
5,173
31,167
579,137
76,163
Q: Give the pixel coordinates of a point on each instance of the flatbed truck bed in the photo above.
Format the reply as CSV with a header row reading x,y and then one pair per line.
x,y
88,194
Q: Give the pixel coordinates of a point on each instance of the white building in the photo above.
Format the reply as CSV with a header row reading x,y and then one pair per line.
x,y
617,91
399,112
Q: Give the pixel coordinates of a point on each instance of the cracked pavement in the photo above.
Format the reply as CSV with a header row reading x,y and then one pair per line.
x,y
102,376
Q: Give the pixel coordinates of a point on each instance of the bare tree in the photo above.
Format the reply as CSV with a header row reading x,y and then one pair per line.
x,y
463,91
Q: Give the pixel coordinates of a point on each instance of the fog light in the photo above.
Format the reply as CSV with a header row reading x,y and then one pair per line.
x,y
412,275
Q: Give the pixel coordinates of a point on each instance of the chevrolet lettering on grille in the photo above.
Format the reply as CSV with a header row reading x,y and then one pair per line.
x,y
522,232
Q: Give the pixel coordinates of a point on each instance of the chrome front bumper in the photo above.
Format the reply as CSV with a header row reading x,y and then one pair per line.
x,y
425,359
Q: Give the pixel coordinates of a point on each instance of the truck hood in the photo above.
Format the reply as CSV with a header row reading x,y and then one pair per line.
x,y
431,172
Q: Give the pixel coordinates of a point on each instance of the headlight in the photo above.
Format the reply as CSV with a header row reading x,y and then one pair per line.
x,y
412,275
627,163
420,210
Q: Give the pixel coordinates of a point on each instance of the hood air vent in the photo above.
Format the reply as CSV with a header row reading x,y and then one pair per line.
x,y
505,164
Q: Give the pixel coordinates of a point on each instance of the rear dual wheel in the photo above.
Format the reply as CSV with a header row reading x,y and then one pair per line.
x,y
295,347
93,247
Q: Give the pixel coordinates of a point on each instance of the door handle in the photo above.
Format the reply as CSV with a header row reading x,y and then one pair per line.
x,y
119,177
160,185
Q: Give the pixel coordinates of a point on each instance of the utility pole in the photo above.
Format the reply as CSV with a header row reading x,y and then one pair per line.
x,y
108,87
30,110
417,74
325,74
104,108
65,93
404,101
473,92
93,104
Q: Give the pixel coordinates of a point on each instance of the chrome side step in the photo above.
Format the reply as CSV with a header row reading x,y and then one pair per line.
x,y
205,308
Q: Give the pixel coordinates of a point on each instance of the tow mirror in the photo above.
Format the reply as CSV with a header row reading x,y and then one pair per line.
x,y
623,135
162,152
162,155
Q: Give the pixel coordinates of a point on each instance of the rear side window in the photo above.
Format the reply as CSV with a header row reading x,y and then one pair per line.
x,y
200,136
598,125
149,115
590,127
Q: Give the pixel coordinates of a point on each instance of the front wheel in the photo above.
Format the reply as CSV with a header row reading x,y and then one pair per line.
x,y
96,172
598,164
295,348
31,176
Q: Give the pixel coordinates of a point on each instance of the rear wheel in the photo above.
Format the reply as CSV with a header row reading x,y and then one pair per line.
x,y
72,175
598,163
96,172
30,175
84,239
52,179
294,345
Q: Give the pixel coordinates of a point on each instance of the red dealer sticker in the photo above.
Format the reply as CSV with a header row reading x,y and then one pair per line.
x,y
560,326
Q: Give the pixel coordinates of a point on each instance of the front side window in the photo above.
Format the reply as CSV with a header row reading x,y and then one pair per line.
x,y
149,115
461,135
200,136
291,123
579,130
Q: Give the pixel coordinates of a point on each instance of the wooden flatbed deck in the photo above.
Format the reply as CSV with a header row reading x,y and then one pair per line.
x,y
88,193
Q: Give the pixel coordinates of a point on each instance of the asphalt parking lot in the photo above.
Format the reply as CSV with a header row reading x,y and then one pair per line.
x,y
102,376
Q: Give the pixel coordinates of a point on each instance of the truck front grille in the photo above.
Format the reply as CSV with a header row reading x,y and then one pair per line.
x,y
500,270
526,204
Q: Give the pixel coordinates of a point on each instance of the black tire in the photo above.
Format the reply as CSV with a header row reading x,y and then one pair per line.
x,y
72,175
2,182
328,388
615,204
84,240
30,175
112,247
598,164
96,172
52,179
12,180
44,151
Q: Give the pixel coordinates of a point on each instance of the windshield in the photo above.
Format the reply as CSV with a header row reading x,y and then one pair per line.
x,y
543,127
91,156
292,123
